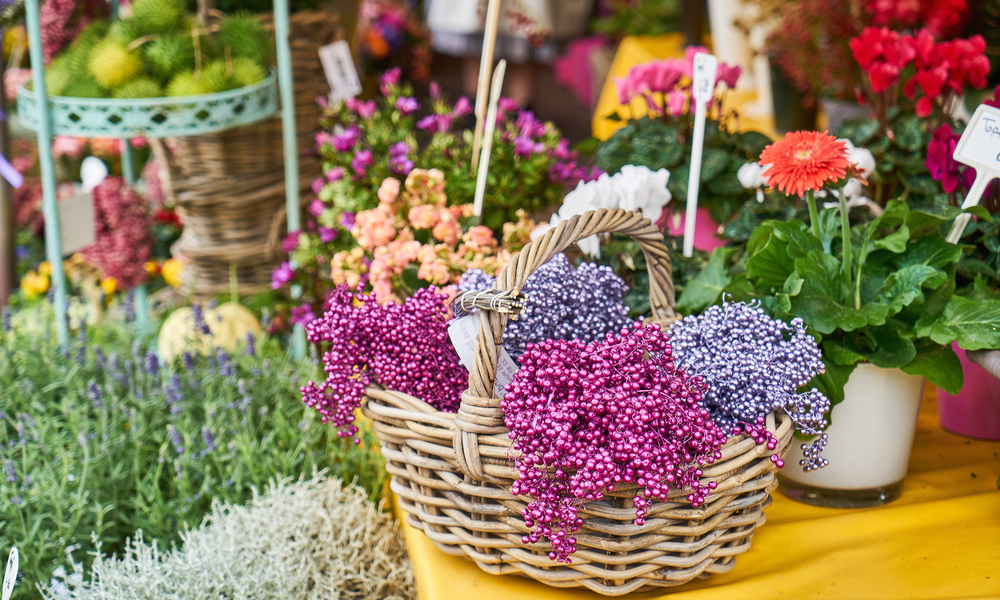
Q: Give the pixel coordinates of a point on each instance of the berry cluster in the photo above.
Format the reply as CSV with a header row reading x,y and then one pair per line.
x,y
585,418
754,365
123,243
403,347
563,303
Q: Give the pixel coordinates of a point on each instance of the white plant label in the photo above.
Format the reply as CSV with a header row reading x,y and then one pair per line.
x,y
703,89
76,214
978,148
463,333
10,575
338,64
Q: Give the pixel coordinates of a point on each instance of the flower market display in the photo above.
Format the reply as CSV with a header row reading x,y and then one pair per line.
x,y
451,354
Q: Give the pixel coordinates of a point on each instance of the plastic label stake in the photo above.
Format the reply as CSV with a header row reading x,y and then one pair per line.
x,y
703,90
10,575
340,71
980,149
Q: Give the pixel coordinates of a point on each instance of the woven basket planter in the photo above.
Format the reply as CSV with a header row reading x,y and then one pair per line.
x,y
452,476
230,186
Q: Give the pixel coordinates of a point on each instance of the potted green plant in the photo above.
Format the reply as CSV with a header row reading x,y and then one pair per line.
x,y
879,296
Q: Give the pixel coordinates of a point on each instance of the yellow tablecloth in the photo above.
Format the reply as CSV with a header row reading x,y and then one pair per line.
x,y
941,539
640,49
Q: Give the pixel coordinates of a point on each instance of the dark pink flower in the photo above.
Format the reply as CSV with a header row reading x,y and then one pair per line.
x,y
428,124
435,90
347,220
728,74
389,80
302,315
334,174
407,105
362,159
291,241
316,208
941,162
462,108
344,142
282,275
317,185
326,234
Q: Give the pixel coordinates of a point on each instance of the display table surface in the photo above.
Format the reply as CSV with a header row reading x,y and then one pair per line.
x,y
635,50
941,539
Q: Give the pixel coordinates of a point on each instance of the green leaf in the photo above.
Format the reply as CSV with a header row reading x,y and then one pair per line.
x,y
890,350
939,365
908,133
769,264
859,131
931,251
894,217
706,289
727,184
840,354
678,182
975,325
617,118
922,222
980,291
752,142
921,184
904,286
823,301
831,382
587,146
713,162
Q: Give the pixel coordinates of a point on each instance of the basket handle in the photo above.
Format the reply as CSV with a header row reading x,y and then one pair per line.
x,y
480,412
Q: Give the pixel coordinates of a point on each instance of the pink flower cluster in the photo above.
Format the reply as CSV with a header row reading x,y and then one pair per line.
x,y
61,22
123,243
403,347
671,78
939,68
587,418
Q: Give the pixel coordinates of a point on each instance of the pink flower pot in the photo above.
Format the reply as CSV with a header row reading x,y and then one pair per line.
x,y
705,228
975,411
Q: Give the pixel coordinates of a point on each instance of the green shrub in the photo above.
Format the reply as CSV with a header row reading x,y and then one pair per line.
x,y
99,438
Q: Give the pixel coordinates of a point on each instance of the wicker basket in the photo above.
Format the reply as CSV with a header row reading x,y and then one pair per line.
x,y
452,475
230,186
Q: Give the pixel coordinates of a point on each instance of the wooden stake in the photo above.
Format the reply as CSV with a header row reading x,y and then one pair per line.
x,y
484,157
485,67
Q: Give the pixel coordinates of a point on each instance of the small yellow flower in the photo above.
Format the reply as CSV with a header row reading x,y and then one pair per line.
x,y
151,267
45,269
109,285
34,285
171,270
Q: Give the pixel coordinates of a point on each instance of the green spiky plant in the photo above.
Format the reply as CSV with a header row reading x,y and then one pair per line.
x,y
140,87
58,76
247,72
157,17
245,37
84,87
186,84
112,64
170,55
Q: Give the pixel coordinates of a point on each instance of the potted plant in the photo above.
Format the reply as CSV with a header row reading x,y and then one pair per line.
x,y
659,135
879,296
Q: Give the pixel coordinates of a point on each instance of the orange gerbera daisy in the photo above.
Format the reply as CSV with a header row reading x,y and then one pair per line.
x,y
804,160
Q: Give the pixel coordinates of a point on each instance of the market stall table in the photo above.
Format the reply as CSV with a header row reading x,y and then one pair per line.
x,y
941,539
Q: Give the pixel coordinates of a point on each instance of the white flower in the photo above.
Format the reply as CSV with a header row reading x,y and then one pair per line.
x,y
751,176
861,157
642,190
92,173
584,198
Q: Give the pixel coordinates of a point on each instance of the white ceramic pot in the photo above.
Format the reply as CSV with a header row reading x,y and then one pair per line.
x,y
871,434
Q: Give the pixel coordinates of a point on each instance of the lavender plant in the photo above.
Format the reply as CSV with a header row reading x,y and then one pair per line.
x,y
754,365
101,439
563,303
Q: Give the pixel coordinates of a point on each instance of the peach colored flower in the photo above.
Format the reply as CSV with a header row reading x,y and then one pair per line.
x,y
435,272
424,216
375,227
461,211
426,187
388,191
447,231
480,236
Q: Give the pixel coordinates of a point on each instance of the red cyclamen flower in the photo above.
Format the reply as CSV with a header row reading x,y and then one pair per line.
x,y
804,160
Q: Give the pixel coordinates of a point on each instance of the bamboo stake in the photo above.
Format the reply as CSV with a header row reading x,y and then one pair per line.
x,y
485,67
484,157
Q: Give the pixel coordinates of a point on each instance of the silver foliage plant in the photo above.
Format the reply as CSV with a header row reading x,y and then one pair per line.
x,y
306,540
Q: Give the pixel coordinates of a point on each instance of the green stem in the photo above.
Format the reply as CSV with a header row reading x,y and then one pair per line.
x,y
845,233
861,264
813,215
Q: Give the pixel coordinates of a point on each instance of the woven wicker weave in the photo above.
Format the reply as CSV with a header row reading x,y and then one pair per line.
x,y
230,186
452,475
